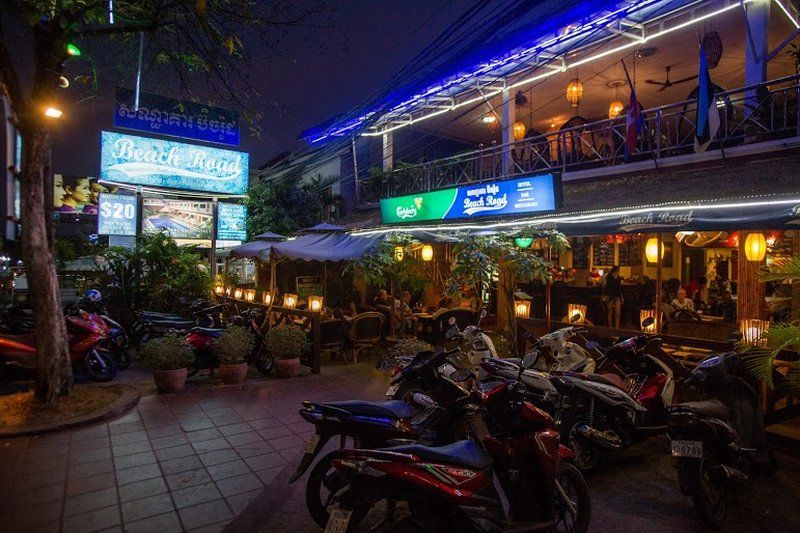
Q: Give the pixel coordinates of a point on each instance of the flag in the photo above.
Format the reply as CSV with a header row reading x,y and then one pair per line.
x,y
633,119
707,122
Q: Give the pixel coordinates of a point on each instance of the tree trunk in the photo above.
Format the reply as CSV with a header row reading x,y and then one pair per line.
x,y
54,369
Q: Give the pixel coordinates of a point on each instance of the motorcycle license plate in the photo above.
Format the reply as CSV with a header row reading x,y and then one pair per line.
x,y
392,390
687,448
311,444
338,521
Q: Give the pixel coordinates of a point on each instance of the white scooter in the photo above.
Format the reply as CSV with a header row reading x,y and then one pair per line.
x,y
569,356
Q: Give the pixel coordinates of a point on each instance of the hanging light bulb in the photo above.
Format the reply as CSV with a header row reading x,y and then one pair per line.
x,y
574,92
489,119
53,112
651,250
755,247
519,130
615,109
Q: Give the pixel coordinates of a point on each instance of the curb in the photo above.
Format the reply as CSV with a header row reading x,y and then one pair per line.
x,y
127,401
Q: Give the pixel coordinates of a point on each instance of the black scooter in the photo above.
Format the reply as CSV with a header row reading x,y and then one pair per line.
x,y
718,442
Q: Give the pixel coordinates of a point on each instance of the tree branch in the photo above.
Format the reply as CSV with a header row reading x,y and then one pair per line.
x,y
9,79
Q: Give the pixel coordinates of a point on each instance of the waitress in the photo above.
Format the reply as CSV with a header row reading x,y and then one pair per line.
x,y
612,293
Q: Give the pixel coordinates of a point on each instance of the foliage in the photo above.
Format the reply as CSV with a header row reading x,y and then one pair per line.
x,y
169,352
157,274
280,206
71,248
286,342
406,347
233,345
381,268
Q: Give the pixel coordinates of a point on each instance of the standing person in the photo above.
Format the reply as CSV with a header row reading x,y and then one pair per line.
x,y
614,299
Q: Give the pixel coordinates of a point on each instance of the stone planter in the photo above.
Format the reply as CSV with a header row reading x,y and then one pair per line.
x,y
287,368
233,374
170,380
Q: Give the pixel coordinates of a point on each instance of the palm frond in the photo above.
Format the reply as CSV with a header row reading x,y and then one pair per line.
x,y
783,269
760,359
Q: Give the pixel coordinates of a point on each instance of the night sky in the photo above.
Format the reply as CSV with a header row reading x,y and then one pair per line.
x,y
310,76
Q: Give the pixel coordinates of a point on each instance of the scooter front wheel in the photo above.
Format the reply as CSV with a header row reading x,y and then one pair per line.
x,y
573,501
708,494
324,488
99,366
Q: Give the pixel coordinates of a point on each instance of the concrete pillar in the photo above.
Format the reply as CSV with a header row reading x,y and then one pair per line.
x,y
507,126
388,151
756,45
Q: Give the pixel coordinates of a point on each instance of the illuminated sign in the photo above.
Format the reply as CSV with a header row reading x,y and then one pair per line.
x,y
116,214
531,194
170,164
231,222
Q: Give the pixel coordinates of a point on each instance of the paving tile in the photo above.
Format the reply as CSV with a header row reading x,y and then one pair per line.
x,y
90,501
90,444
191,416
253,449
164,431
218,456
89,456
90,483
175,451
128,427
254,414
195,495
233,429
142,489
131,447
134,459
168,442
138,473
180,464
95,520
35,463
131,436
39,479
26,517
292,454
163,523
269,475
195,425
35,496
226,470
145,507
189,478
282,443
211,528
90,469
219,411
127,418
238,502
205,514
87,433
264,423
244,438
49,527
267,460
238,484
275,432
202,435
226,420
210,445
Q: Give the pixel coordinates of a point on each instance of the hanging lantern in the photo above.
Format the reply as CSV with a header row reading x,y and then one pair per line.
x,y
519,130
489,119
219,289
399,253
576,311
427,252
523,242
250,295
615,109
755,247
238,293
574,92
266,297
228,291
315,303
289,300
752,330
651,250
522,308
647,313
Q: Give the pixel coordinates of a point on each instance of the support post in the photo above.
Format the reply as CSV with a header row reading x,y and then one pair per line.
x,y
750,292
507,128
548,293
317,336
214,222
355,172
388,151
756,47
659,281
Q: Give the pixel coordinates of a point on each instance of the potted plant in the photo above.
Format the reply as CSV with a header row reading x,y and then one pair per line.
x,y
286,343
167,357
231,349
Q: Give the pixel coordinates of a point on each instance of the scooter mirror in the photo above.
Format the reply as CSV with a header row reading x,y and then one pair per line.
x,y
530,359
423,399
451,333
576,317
462,374
483,313
452,321
592,345
649,321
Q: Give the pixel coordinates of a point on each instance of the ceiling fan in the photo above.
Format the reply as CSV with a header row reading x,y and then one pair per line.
x,y
667,83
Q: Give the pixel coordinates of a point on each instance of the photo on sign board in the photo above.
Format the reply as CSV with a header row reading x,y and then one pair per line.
x,y
78,194
231,222
181,219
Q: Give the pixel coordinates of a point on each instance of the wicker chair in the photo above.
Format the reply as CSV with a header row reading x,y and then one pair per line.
x,y
332,336
441,323
365,331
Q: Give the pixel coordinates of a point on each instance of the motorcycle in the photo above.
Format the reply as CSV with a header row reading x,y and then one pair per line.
x,y
253,320
568,355
150,324
451,487
117,342
719,442
87,333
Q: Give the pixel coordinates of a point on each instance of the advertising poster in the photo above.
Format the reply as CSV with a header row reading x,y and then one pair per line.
x,y
78,194
179,118
231,222
531,194
181,219
308,286
117,214
171,164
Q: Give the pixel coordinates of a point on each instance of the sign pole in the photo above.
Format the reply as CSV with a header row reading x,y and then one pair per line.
x,y
139,211
215,222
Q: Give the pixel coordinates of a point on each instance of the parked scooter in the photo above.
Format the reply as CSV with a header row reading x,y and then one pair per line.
x,y
150,324
253,320
117,342
87,333
451,487
718,442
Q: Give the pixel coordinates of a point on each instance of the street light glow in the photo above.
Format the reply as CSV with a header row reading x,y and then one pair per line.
x,y
73,50
53,112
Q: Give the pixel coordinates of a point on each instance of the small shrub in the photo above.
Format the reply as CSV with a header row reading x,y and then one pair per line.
x,y
233,345
169,352
409,347
286,342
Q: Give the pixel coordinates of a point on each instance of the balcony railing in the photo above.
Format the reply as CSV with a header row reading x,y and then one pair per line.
x,y
748,115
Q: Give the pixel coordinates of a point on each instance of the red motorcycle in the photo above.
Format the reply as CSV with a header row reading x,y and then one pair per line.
x,y
451,487
87,332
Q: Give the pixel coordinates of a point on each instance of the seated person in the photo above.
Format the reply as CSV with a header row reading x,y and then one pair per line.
x,y
383,298
681,302
470,300
696,287
404,315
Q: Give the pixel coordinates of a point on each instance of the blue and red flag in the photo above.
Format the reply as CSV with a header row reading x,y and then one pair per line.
x,y
634,122
708,120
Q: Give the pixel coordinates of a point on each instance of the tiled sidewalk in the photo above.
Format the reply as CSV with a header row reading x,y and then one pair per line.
x,y
189,461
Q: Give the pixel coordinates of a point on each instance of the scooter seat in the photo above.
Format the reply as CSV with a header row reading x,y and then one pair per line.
x,y
390,409
712,408
172,323
608,379
213,332
462,453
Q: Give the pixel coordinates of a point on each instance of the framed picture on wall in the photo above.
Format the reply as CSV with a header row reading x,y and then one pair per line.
x,y
666,261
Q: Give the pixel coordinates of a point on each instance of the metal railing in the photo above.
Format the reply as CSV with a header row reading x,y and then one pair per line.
x,y
748,115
